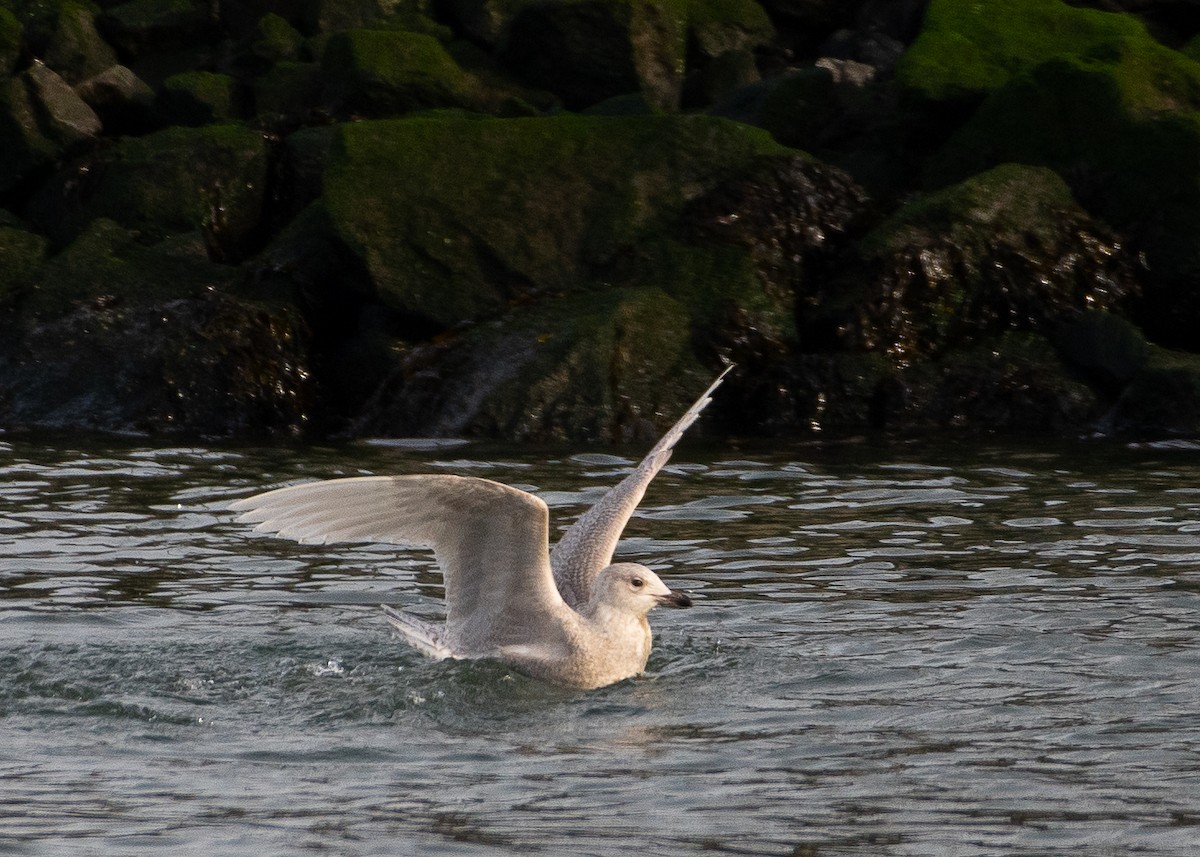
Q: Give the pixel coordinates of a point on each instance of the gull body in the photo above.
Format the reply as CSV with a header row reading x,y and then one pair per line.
x,y
568,616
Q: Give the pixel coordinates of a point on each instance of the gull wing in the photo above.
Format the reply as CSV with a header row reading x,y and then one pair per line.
x,y
587,547
489,539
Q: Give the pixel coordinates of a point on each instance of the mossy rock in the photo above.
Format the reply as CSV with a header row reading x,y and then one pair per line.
x,y
719,27
212,180
966,50
198,98
22,254
379,73
606,367
1127,161
77,51
586,51
1103,346
10,41
275,40
41,119
289,93
454,218
1014,383
1163,398
119,336
1009,249
140,27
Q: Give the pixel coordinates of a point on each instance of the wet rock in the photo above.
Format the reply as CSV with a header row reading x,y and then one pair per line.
x,y
786,211
210,179
455,218
377,73
118,336
606,367
1104,346
585,51
1014,383
1006,250
1164,397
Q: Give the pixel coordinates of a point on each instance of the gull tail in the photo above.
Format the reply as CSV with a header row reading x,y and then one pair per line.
x,y
422,636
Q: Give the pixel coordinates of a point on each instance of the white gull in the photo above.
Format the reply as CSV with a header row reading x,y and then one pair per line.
x,y
568,616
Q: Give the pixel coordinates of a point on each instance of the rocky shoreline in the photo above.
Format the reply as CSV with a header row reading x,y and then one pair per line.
x,y
557,220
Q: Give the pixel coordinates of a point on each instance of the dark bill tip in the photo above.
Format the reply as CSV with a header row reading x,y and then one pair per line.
x,y
675,599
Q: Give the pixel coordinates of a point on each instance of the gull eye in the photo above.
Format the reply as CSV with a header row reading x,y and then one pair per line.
x,y
637,583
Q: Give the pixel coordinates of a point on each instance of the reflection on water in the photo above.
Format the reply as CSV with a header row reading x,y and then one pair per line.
x,y
905,650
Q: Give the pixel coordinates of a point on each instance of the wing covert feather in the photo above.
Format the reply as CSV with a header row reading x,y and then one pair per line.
x,y
489,539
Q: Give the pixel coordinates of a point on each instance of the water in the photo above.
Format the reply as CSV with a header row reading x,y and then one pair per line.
x,y
903,650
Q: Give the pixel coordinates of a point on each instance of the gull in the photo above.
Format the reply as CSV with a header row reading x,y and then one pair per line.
x,y
570,616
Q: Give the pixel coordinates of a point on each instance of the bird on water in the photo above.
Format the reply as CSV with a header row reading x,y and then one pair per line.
x,y
570,616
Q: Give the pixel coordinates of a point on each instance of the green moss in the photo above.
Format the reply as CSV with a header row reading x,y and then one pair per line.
x,y
1163,396
76,49
210,179
289,89
381,72
197,98
275,39
717,27
454,218
10,41
22,254
107,263
966,50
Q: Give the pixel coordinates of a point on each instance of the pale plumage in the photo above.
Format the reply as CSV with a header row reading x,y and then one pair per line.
x,y
570,616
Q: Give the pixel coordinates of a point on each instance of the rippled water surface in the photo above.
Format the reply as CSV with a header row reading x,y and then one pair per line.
x,y
901,650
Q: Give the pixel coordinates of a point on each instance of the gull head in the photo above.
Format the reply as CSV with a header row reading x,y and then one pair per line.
x,y
634,588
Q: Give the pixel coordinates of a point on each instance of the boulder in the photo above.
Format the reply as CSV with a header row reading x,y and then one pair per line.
x,y
76,49
122,100
41,119
604,367
1163,397
453,219
198,98
377,73
117,336
1009,249
22,254
210,179
586,51
10,42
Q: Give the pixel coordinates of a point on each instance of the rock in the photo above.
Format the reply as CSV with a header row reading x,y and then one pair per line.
x,y
1106,347
378,73
1109,108
139,27
1006,250
453,219
720,27
289,94
22,254
41,119
121,99
609,367
785,211
1014,383
198,98
1164,397
585,51
212,180
122,337
76,50
10,42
